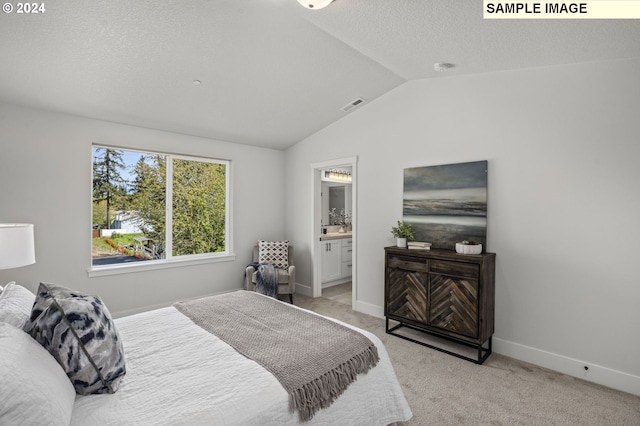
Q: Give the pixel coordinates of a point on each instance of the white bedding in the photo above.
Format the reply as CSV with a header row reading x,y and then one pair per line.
x,y
180,374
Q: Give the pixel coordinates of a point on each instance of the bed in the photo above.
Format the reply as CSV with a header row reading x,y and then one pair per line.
x,y
180,373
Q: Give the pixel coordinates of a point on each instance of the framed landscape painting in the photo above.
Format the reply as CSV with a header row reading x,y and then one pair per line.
x,y
447,203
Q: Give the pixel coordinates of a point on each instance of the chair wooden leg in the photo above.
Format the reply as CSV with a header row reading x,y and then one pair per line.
x,y
291,298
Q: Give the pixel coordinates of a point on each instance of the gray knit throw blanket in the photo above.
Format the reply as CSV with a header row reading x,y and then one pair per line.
x,y
315,359
267,280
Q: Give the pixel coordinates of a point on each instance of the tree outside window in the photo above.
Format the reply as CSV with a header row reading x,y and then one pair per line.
x,y
154,207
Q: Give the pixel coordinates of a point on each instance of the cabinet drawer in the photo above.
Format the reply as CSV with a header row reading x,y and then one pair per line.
x,y
346,253
407,263
345,270
455,269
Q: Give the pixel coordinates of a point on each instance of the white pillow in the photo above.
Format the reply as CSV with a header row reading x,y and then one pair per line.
x,y
15,304
35,390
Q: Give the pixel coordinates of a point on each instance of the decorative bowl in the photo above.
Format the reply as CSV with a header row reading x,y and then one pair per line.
x,y
468,248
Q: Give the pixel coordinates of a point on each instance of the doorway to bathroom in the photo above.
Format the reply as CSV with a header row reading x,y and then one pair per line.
x,y
334,223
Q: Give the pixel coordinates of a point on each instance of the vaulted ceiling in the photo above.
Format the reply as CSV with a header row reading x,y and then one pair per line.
x,y
267,72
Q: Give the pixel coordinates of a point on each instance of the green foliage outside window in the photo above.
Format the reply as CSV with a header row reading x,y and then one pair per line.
x,y
198,207
198,193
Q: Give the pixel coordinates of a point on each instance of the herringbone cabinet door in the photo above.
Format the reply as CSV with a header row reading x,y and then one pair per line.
x,y
407,293
454,304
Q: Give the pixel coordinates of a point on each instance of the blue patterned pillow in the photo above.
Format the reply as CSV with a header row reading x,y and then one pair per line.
x,y
78,331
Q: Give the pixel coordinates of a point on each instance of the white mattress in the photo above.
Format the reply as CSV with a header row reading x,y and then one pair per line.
x,y
180,374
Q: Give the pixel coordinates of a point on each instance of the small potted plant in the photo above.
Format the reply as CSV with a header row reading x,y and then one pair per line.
x,y
403,232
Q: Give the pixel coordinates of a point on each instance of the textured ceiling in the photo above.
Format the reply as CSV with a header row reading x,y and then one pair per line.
x,y
271,71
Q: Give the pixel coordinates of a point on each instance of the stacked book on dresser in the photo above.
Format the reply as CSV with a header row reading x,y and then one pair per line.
x,y
418,245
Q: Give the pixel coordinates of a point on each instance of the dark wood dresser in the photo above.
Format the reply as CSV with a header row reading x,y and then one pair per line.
x,y
441,293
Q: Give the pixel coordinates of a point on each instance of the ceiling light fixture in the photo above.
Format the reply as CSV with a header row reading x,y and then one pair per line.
x,y
337,175
315,4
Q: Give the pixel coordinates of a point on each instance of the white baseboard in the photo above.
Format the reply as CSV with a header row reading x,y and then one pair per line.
x,y
305,290
128,312
369,309
336,282
573,367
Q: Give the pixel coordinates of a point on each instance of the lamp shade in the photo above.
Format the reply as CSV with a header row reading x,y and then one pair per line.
x,y
315,4
16,245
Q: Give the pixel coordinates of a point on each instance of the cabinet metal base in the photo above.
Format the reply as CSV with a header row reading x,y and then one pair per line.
x,y
482,355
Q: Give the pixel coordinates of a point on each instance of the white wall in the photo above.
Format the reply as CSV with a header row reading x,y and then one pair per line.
x,y
564,194
45,179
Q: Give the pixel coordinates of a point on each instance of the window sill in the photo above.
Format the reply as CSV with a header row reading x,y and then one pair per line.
x,y
129,268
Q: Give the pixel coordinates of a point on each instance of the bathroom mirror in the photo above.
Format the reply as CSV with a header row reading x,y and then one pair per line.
x,y
336,197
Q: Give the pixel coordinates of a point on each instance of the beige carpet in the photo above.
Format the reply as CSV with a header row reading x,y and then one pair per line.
x,y
444,390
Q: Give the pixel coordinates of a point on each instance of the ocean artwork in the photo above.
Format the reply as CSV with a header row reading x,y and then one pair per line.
x,y
447,203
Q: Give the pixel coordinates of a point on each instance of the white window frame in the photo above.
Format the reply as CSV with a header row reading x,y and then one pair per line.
x,y
171,261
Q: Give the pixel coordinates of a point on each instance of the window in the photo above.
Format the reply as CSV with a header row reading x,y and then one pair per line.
x,y
157,208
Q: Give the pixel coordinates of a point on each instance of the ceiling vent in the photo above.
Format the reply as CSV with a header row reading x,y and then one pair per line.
x,y
353,104
442,66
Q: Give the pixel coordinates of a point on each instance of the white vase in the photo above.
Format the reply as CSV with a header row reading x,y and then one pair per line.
x,y
401,242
